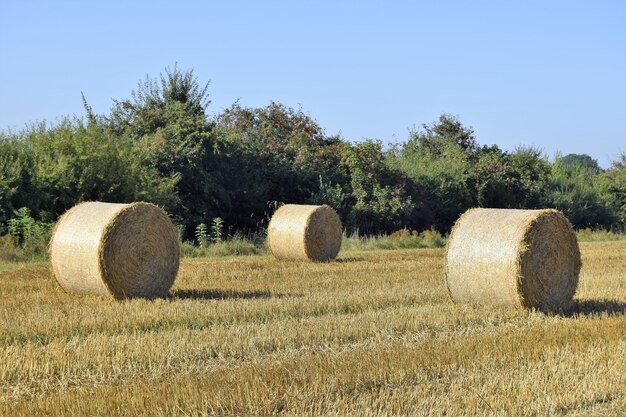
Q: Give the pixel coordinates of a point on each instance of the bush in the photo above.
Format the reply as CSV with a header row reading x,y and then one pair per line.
x,y
578,194
229,171
27,239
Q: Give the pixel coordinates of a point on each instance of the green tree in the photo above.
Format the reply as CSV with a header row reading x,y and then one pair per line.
x,y
583,161
276,153
382,199
494,184
446,174
166,118
577,193
333,195
532,169
74,162
509,180
146,110
612,184
437,136
16,185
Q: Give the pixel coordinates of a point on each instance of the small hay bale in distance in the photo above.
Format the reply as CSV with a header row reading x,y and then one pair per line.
x,y
304,232
115,250
521,258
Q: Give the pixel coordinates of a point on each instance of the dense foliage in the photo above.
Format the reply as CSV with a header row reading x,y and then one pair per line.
x,y
160,145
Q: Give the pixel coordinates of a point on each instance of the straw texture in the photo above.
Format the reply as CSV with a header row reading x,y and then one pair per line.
x,y
116,250
301,232
522,258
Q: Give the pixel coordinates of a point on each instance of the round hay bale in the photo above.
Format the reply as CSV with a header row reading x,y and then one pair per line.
x,y
116,250
522,258
300,232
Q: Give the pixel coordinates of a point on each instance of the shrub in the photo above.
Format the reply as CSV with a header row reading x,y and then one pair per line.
x,y
27,238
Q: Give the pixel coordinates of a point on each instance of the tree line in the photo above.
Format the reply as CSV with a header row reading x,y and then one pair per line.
x,y
160,145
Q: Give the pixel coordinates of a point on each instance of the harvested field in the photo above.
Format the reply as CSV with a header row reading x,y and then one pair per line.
x,y
372,334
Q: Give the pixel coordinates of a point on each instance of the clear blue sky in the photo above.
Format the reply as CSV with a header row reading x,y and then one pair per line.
x,y
545,73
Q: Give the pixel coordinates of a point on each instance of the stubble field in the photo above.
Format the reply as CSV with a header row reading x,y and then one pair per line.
x,y
373,334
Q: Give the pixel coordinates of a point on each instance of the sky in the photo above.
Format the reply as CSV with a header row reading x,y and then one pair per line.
x,y
550,74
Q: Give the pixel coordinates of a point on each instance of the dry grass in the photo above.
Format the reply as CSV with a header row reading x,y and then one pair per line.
x,y
373,334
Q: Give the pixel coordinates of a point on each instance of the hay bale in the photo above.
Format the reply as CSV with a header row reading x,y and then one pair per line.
x,y
299,232
522,258
117,250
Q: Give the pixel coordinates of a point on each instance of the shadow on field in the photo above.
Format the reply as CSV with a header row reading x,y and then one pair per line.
x,y
221,295
346,260
596,307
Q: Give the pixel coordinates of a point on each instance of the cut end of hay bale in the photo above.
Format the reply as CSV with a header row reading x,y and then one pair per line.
x,y
522,258
117,250
305,232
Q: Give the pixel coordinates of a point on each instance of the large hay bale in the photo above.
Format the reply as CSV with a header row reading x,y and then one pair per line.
x,y
300,232
118,250
522,258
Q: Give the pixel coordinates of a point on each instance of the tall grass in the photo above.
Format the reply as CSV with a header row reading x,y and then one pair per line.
x,y
236,246
589,235
32,250
402,239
